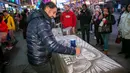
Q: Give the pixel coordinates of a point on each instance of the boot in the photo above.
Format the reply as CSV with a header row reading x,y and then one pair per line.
x,y
105,52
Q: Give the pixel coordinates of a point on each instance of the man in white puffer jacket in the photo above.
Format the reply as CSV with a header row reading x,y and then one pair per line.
x,y
124,28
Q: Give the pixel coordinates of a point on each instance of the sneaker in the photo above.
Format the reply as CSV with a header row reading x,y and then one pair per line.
x,y
15,42
79,33
95,38
121,52
105,52
91,31
9,47
6,63
127,56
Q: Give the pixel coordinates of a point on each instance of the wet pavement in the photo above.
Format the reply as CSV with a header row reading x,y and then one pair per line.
x,y
19,62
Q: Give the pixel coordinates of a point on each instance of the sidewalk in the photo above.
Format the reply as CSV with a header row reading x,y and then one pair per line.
x,y
18,57
113,47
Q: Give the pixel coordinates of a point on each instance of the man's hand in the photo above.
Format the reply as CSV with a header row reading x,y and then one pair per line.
x,y
78,51
73,30
95,19
104,20
101,16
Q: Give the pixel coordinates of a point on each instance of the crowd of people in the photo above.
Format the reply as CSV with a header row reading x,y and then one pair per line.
x,y
41,41
124,31
9,24
7,27
82,19
102,19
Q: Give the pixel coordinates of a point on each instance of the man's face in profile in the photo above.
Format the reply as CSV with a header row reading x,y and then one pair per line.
x,y
52,12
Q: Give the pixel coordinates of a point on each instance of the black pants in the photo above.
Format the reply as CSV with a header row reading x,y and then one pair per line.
x,y
4,56
85,31
44,68
98,35
91,27
126,46
24,34
1,55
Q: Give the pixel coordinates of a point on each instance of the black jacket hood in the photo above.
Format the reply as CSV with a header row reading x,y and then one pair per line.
x,y
37,13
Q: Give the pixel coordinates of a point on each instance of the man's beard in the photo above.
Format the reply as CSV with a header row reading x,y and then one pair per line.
x,y
67,10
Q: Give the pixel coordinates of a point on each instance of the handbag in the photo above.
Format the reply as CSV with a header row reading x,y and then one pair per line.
x,y
104,29
118,39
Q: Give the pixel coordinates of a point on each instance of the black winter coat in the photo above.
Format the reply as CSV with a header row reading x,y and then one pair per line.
x,y
40,39
85,17
23,24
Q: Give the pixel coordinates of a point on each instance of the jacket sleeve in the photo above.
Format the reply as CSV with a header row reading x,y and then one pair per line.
x,y
51,44
89,16
74,20
61,19
12,23
79,15
113,21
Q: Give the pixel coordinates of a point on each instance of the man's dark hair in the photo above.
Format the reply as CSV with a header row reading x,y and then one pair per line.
x,y
5,11
127,7
58,9
25,10
49,4
84,5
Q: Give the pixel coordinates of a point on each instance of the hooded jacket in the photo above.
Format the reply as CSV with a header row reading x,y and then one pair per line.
x,y
85,17
40,39
10,22
68,19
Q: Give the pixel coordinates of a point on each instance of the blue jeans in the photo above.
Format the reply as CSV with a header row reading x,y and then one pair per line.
x,y
105,38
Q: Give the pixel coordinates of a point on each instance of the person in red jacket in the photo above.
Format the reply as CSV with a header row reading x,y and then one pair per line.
x,y
68,19
3,28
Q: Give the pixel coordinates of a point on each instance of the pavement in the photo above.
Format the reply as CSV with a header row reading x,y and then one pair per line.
x,y
19,62
114,48
18,58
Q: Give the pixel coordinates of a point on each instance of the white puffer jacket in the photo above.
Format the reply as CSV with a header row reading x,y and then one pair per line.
x,y
124,25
